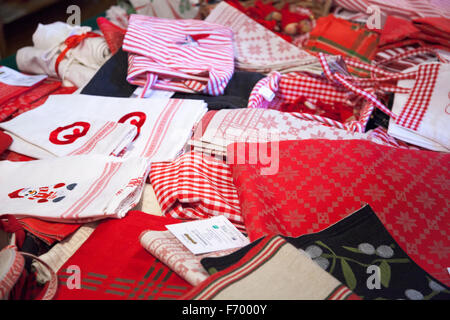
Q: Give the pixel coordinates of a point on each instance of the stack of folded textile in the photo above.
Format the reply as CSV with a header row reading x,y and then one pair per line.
x,y
327,161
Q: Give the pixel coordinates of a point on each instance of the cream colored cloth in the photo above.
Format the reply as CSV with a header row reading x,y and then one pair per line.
x,y
149,203
80,63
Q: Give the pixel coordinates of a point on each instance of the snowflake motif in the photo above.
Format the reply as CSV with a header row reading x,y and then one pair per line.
x,y
288,173
269,122
284,46
318,135
265,191
294,131
443,182
250,26
440,249
254,50
342,169
272,227
309,151
426,200
410,161
374,192
363,151
295,219
320,193
394,174
406,221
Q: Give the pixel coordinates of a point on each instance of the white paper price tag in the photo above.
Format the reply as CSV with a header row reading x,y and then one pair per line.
x,y
208,235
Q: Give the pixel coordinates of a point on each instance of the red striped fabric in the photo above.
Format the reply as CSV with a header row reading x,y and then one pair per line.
x,y
354,5
405,8
196,186
179,55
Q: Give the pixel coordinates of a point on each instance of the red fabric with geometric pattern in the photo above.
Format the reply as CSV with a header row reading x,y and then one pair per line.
x,y
115,266
5,141
42,89
319,182
112,33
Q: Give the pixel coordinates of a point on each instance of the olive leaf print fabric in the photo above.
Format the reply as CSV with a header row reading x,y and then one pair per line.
x,y
359,252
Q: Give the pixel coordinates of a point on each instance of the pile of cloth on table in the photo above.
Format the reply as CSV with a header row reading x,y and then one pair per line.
x,y
319,134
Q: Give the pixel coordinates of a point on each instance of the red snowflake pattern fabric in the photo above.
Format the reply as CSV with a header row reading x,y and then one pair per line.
x,y
319,182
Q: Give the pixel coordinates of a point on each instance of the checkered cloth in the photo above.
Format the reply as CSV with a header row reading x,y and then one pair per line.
x,y
196,186
418,102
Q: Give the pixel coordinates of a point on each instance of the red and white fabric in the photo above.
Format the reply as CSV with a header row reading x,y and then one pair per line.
x,y
424,113
164,246
264,125
11,267
196,186
354,5
179,55
256,48
163,125
274,90
414,8
55,189
405,8
41,135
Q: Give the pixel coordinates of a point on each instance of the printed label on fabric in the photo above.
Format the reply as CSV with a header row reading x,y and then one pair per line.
x,y
208,235
13,78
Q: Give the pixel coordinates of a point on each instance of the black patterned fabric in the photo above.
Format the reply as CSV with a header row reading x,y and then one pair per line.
x,y
359,252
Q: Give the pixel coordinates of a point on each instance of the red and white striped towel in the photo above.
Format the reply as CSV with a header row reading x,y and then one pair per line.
x,y
195,186
424,113
256,47
406,8
55,190
179,55
163,125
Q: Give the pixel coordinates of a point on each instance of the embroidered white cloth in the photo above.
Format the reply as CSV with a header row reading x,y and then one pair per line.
x,y
256,48
163,125
164,246
179,55
72,189
424,113
42,135
80,63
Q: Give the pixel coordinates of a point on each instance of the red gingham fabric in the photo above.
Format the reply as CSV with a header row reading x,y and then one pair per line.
x,y
419,100
334,89
179,55
196,186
